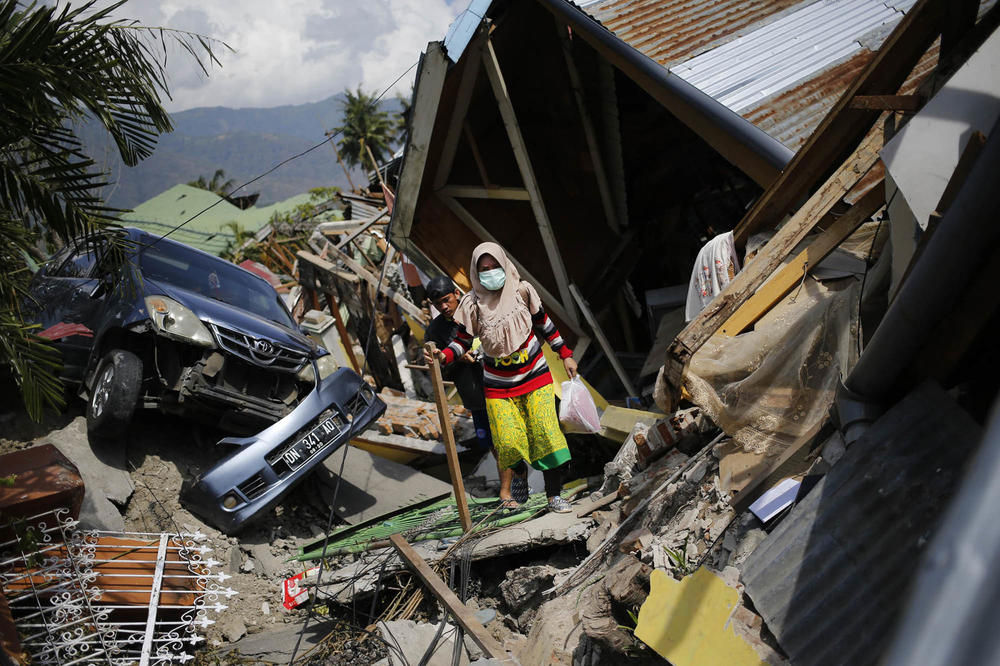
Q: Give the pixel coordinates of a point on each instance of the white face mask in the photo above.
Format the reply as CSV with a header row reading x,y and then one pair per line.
x,y
492,279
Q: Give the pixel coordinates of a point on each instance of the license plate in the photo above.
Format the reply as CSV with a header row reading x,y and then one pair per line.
x,y
320,436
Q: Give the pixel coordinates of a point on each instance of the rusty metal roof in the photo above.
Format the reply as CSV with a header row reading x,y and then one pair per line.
x,y
782,64
672,31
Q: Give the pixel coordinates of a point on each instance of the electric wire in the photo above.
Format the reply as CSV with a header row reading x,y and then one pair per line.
x,y
326,139
371,330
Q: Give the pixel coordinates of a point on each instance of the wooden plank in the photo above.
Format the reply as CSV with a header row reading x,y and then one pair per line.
x,y
613,139
753,275
476,155
510,123
602,340
754,488
909,103
421,447
790,275
604,189
472,57
362,229
843,126
495,192
345,338
607,500
318,264
623,419
552,303
430,82
367,276
458,610
448,435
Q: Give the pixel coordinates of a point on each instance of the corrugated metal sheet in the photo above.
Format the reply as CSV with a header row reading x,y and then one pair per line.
x,y
790,49
737,51
671,31
831,579
792,115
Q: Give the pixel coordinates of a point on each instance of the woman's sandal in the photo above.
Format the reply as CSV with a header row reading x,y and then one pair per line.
x,y
509,504
519,488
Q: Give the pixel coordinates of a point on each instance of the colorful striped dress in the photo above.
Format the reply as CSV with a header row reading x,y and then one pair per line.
x,y
520,399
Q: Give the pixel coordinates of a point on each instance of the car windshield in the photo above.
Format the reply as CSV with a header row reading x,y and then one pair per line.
x,y
185,268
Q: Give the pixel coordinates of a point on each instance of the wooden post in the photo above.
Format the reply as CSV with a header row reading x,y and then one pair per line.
x,y
513,128
340,161
458,610
607,200
603,341
448,435
345,339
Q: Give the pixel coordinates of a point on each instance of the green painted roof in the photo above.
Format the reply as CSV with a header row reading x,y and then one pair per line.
x,y
205,232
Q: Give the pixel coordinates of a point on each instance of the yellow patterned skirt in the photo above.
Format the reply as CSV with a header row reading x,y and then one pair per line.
x,y
526,427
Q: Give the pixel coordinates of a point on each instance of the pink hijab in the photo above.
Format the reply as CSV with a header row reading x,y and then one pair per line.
x,y
500,319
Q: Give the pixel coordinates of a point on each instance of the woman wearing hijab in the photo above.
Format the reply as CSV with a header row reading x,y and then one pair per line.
x,y
506,314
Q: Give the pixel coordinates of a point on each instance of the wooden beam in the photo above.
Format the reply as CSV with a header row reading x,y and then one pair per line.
x,y
430,82
607,201
365,275
472,56
613,139
607,500
463,616
551,302
752,490
843,126
345,339
909,103
448,436
476,155
602,340
753,275
362,229
790,275
471,192
510,123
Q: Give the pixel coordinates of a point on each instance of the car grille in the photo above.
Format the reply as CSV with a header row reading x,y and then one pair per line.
x,y
360,400
253,487
259,351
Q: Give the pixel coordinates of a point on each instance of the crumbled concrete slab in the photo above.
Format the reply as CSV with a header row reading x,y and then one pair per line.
x,y
277,645
102,463
409,641
102,466
549,529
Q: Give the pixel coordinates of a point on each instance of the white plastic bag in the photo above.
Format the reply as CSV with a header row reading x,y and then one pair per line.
x,y
577,411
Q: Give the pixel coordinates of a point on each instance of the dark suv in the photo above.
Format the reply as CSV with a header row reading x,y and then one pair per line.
x,y
146,322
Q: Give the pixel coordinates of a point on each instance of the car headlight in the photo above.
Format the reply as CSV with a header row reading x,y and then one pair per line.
x,y
326,364
174,320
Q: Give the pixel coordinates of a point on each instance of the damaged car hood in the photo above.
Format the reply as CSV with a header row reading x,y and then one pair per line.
x,y
217,312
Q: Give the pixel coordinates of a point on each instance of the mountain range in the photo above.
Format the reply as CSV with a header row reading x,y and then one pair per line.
x,y
243,142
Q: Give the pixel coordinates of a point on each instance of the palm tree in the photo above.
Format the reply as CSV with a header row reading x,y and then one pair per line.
x,y
216,184
366,127
57,66
403,117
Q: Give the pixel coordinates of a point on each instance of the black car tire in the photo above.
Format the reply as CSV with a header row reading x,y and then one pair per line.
x,y
114,394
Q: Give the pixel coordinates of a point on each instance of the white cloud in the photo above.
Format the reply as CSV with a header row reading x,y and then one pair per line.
x,y
295,51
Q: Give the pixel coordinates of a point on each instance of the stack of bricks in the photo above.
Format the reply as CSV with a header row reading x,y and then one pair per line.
x,y
413,418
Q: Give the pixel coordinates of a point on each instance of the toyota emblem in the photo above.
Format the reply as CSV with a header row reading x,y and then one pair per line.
x,y
263,347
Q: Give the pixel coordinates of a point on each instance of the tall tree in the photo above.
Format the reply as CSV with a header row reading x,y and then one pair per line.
x,y
218,184
58,65
365,125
